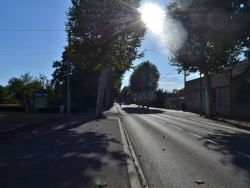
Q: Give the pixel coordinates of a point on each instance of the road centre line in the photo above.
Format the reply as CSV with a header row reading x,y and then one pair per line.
x,y
248,156
183,130
160,121
203,138
195,135
167,123
176,127
211,141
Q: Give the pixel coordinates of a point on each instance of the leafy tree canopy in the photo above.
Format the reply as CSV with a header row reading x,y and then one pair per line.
x,y
104,33
26,84
210,44
217,34
144,78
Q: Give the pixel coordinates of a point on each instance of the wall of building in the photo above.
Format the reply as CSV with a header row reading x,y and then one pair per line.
x,y
223,100
236,85
193,88
240,110
193,101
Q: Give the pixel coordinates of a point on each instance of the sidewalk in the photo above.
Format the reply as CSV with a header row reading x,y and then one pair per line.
x,y
78,151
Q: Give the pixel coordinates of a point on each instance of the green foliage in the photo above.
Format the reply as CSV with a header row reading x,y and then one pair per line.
x,y
59,81
3,94
209,45
126,95
161,96
24,86
217,34
144,78
105,33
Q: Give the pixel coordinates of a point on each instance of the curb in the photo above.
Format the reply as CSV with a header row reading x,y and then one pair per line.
x,y
136,176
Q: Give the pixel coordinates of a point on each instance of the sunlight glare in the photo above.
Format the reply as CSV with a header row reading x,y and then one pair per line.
x,y
153,16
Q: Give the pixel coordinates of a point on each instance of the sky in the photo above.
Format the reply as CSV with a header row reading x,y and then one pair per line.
x,y
32,36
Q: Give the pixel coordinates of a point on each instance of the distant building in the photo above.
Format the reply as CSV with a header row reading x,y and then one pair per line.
x,y
176,101
230,91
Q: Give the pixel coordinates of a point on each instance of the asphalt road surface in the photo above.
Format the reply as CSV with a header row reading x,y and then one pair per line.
x,y
177,152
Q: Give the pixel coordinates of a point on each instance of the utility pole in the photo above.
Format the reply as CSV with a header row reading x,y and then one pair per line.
x,y
185,90
68,80
200,96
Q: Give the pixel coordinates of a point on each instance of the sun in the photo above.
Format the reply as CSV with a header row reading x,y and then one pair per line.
x,y
153,16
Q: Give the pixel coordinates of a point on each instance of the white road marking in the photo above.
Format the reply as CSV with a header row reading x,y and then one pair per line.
x,y
175,127
168,124
195,135
248,156
211,141
160,121
183,129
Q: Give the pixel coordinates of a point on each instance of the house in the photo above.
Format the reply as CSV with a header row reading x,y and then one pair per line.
x,y
176,101
230,92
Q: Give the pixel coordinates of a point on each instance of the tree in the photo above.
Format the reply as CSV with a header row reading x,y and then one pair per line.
x,y
161,96
144,78
16,86
25,85
208,46
126,94
3,94
238,32
59,75
104,36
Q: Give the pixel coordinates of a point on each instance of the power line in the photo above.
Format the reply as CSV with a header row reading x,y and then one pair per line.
x,y
29,54
156,48
33,30
169,73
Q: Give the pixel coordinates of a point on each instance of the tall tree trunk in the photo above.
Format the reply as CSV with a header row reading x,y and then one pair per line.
x,y
147,99
100,97
139,100
108,93
208,90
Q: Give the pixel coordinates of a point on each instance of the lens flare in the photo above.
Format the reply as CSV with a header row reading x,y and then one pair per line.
x,y
153,16
175,34
169,32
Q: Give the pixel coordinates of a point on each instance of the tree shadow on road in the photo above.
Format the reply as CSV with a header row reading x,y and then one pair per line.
x,y
233,146
72,154
139,110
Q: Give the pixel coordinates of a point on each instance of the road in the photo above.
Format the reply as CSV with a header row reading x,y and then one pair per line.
x,y
176,152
